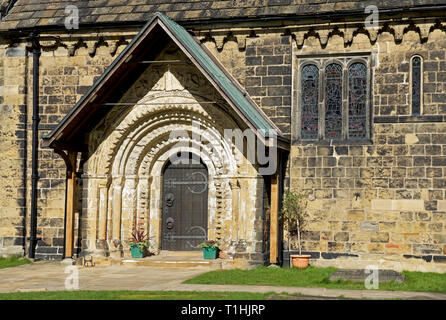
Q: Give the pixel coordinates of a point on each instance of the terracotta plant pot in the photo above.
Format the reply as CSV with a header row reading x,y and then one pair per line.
x,y
300,262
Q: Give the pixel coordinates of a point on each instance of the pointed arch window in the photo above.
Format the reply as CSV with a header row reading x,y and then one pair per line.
x,y
333,101
416,85
357,104
309,102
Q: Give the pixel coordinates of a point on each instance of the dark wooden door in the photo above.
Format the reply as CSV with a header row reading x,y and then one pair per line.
x,y
185,207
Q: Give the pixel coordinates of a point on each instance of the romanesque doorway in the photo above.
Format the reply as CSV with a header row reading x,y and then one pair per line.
x,y
185,205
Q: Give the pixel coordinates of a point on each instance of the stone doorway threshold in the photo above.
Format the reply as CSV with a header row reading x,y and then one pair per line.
x,y
168,259
174,259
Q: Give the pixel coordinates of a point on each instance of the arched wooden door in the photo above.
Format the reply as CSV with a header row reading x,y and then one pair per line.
x,y
185,206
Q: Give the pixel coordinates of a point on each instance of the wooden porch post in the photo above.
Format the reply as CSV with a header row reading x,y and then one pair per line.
x,y
71,192
274,219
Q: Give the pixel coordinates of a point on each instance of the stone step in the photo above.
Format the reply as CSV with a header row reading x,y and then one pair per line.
x,y
169,263
173,259
164,260
198,254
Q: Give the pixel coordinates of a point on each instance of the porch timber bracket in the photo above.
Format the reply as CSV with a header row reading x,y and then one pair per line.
x,y
70,159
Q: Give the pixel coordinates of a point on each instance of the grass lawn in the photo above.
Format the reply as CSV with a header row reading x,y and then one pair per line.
x,y
133,295
13,261
316,277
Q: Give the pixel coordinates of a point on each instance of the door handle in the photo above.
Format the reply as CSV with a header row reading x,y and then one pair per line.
x,y
169,199
170,223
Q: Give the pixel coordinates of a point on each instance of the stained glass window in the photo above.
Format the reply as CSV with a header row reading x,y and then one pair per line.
x,y
357,110
333,101
416,86
310,94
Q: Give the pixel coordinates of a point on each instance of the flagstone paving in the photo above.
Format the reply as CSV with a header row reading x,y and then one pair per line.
x,y
51,276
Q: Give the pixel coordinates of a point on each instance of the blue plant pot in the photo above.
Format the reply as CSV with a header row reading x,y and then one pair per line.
x,y
137,252
210,253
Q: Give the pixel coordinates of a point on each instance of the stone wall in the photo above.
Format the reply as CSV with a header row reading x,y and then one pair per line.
x,y
381,201
63,80
268,76
13,109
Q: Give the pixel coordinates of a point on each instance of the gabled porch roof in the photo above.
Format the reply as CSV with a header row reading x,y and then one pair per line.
x,y
67,134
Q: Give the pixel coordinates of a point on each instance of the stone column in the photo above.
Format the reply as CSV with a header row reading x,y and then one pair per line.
x,y
243,209
115,246
155,212
235,188
128,216
142,215
101,238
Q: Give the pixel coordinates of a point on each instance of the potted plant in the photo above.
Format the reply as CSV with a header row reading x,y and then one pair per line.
x,y
210,249
293,215
139,244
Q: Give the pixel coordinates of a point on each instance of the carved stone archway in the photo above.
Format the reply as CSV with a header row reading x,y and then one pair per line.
x,y
126,167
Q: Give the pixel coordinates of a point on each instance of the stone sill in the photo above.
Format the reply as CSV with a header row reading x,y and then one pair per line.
x,y
363,142
410,119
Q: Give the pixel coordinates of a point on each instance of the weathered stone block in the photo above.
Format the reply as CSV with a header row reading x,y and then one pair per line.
x,y
341,236
379,237
335,246
369,226
439,238
360,237
403,227
375,248
423,216
355,215
387,226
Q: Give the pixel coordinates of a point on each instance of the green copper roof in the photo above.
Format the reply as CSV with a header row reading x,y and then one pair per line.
x,y
248,108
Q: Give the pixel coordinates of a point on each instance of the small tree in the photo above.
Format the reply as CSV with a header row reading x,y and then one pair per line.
x,y
294,214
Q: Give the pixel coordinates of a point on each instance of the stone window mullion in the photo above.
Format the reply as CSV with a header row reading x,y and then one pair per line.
x,y
345,92
321,103
369,101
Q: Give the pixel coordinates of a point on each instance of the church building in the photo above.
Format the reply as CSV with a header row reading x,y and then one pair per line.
x,y
190,120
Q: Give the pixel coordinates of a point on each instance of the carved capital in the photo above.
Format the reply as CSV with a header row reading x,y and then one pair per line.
x,y
234,184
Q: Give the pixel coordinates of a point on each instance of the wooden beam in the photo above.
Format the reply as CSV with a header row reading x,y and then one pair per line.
x,y
71,198
161,61
131,104
274,219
